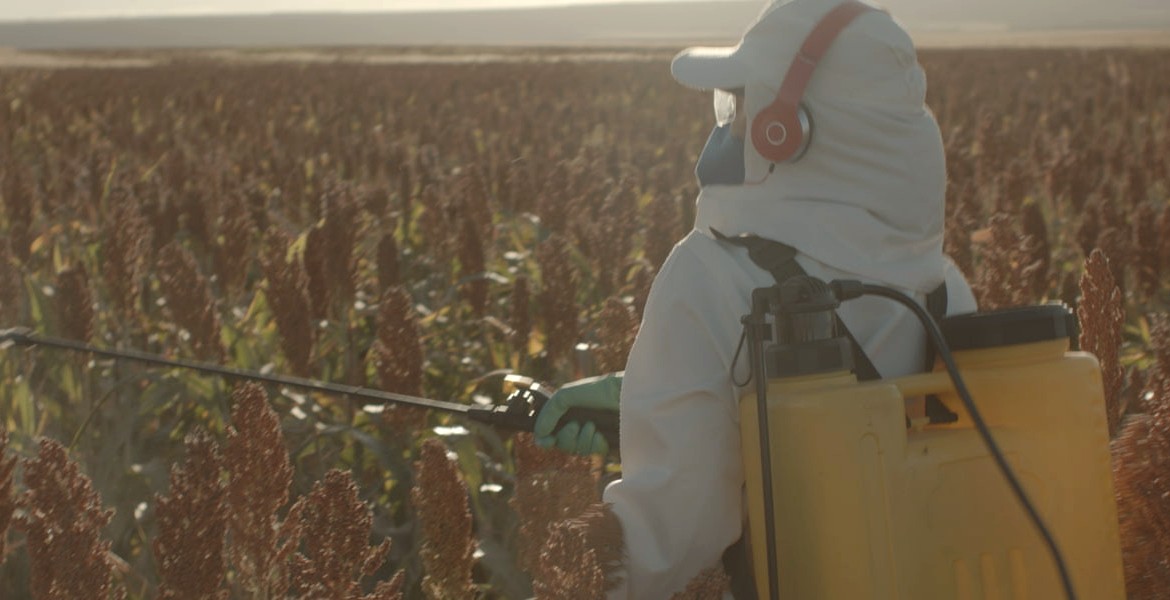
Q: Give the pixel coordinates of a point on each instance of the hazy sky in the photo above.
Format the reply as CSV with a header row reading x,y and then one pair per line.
x,y
64,9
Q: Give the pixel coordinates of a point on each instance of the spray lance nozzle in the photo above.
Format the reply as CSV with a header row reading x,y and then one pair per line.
x,y
15,336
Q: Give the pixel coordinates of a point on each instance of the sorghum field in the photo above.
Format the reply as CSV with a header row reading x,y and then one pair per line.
x,y
424,229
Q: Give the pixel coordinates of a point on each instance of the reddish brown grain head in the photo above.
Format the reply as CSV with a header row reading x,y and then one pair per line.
x,y
336,554
1162,233
74,303
711,584
960,223
1141,460
397,354
192,521
7,491
616,331
1147,260
339,209
582,556
557,297
1006,266
19,209
440,501
288,297
125,240
189,301
1115,243
62,521
1101,315
551,486
259,475
317,272
233,253
612,233
662,228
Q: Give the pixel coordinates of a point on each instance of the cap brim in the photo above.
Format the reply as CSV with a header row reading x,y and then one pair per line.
x,y
706,68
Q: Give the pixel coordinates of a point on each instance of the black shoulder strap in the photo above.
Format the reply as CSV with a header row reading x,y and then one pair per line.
x,y
779,259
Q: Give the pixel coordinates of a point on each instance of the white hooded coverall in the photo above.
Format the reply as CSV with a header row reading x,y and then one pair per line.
x,y
866,202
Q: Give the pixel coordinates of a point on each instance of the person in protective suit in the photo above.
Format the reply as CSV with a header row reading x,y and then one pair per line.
x,y
864,200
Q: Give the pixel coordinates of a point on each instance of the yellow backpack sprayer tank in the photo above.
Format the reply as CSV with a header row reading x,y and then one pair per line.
x,y
866,504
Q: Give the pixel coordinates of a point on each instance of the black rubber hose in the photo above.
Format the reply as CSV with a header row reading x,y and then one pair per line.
x,y
852,289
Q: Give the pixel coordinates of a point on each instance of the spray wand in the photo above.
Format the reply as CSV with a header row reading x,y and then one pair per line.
x,y
518,412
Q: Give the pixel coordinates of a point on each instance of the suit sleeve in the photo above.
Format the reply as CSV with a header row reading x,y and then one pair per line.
x,y
680,498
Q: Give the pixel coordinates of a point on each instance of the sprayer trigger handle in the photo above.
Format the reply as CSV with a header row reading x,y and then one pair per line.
x,y
606,422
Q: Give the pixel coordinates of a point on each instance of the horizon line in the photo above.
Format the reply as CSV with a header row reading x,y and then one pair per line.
x,y
184,14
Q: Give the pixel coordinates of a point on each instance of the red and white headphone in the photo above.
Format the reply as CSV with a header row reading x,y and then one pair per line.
x,y
782,130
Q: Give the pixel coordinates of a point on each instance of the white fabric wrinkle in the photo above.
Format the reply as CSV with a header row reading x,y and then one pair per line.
x,y
680,499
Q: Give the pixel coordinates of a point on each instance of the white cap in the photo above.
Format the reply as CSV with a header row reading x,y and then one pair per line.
x,y
871,49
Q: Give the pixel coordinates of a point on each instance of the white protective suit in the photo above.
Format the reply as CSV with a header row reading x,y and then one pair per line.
x,y
866,202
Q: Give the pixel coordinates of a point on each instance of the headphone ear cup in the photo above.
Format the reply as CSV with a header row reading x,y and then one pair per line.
x,y
781,132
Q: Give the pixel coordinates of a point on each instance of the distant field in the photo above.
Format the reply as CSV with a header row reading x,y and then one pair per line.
x,y
658,50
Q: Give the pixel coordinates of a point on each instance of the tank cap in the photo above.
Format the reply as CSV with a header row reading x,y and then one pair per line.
x,y
1009,327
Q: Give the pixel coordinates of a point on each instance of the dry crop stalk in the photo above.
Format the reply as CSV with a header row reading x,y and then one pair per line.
x,y
316,270
521,318
1089,229
259,475
439,498
62,521
1035,233
11,284
18,204
471,267
1102,316
388,270
192,521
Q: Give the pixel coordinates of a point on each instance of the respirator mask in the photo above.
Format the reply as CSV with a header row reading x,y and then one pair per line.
x,y
721,161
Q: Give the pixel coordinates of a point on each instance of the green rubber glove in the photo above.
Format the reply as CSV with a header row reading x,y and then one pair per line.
x,y
600,393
